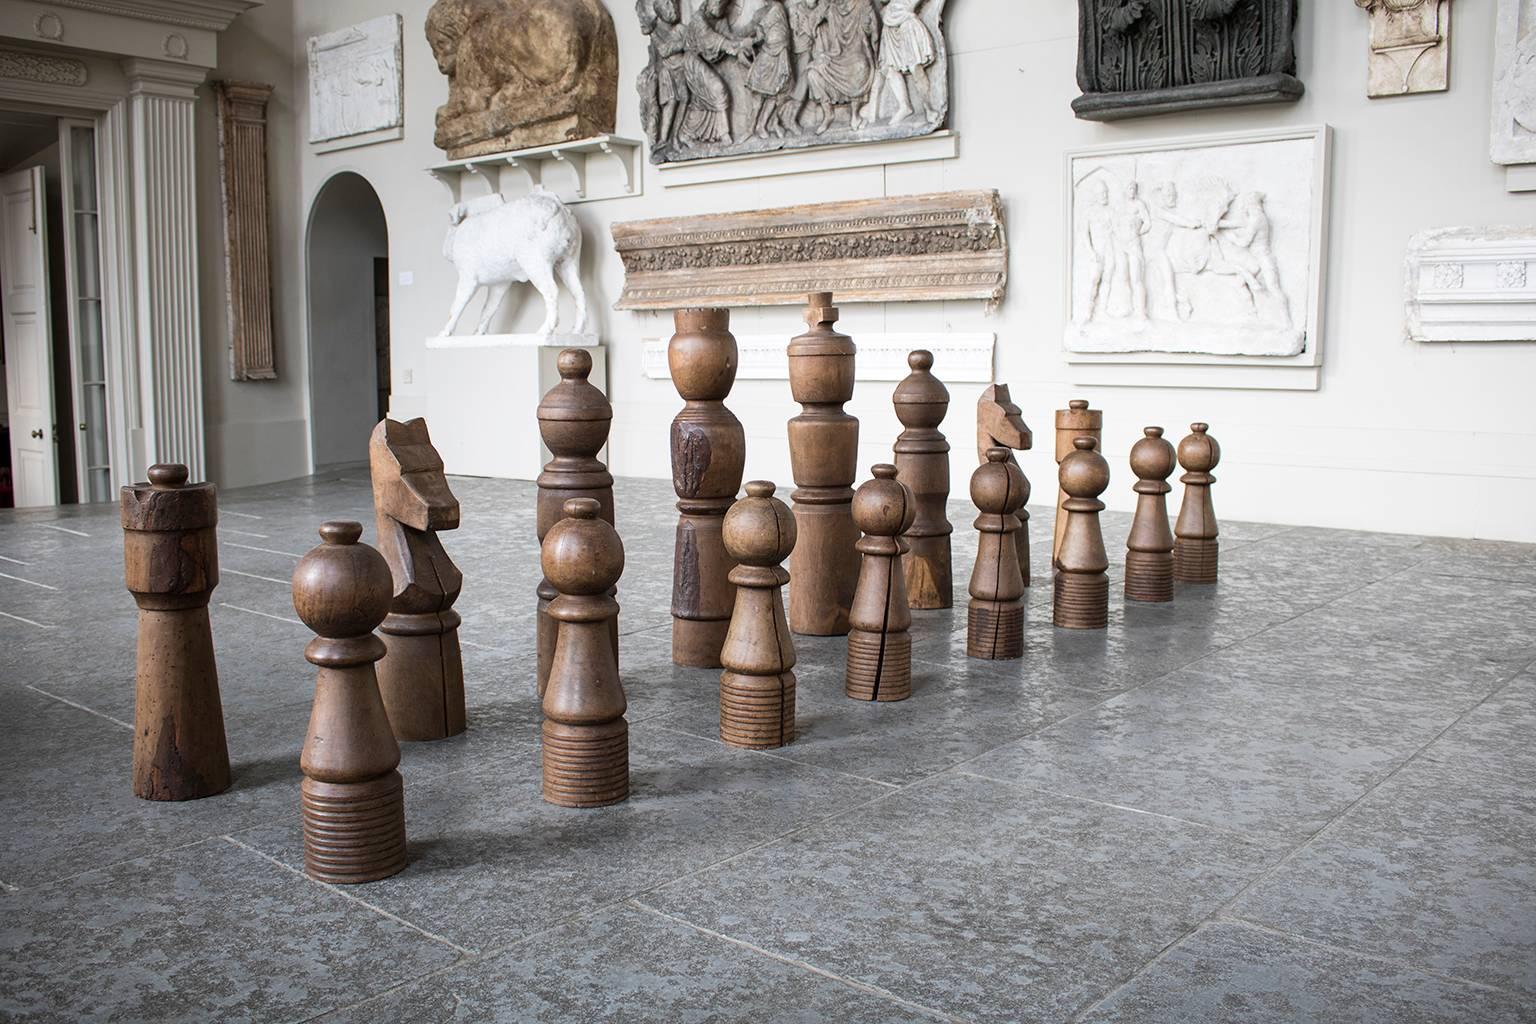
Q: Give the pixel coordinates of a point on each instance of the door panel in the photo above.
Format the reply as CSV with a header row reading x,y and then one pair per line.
x,y
28,336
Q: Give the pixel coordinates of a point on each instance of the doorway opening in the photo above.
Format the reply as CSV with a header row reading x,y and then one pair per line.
x,y
347,257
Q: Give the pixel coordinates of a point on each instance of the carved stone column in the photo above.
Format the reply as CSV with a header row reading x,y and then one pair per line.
x,y
247,246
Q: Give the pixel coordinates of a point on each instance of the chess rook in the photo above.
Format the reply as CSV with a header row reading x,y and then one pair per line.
x,y
586,739
709,450
1000,424
352,796
995,618
879,647
823,455
757,688
171,563
574,419
1073,422
1081,598
1149,548
1195,544
922,459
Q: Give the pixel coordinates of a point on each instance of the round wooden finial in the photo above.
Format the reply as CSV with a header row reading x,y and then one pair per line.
x,y
1152,457
1199,428
883,471
998,486
1153,431
167,475
760,488
342,588
574,364
582,554
341,531
1085,444
1199,452
998,454
819,308
883,507
920,359
1084,473
759,529
1078,404
581,508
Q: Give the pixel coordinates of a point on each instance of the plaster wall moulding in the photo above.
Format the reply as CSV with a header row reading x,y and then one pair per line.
x,y
213,15
1410,46
41,67
1513,135
1472,284
355,81
942,245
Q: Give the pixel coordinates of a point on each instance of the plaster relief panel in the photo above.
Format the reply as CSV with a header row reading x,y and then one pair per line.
x,y
1472,284
1513,138
355,84
1410,46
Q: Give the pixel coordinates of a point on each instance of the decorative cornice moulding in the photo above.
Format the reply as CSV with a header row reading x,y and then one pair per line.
x,y
214,15
1472,284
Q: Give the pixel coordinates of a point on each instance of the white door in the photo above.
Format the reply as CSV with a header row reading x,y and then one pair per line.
x,y
28,336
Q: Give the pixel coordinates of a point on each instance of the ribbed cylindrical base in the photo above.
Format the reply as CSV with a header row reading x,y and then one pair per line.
x,y
879,671
1081,600
586,765
995,630
1148,576
696,643
1194,561
354,831
757,712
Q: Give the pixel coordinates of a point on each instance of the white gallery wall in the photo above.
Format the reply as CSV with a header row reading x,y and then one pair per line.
x,y
1401,436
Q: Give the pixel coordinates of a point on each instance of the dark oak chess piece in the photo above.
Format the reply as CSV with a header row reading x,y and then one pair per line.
x,y
757,688
1149,548
171,563
1000,424
922,459
879,647
586,739
1081,599
995,619
574,419
421,678
823,454
352,797
1073,422
1195,546
709,449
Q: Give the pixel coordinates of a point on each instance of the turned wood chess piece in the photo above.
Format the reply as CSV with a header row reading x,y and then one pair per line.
x,y
879,647
823,455
352,796
1149,548
1073,422
1195,544
1000,424
757,688
574,418
171,563
421,677
586,739
922,459
995,619
709,449
1081,599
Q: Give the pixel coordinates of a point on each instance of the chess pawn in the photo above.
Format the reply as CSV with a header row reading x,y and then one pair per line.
x,y
1195,545
879,647
1000,424
574,419
1082,586
709,449
1076,420
823,455
352,797
171,563
421,677
586,739
757,688
1149,548
995,619
922,459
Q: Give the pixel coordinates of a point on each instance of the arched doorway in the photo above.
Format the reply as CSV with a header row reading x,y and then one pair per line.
x,y
347,255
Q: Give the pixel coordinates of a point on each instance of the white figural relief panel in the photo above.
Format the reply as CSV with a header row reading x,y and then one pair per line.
x,y
1513,138
355,86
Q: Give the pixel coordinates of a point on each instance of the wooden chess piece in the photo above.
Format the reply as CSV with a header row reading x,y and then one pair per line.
x,y
757,688
1000,424
574,419
1149,548
171,563
995,619
922,459
586,739
1076,420
1081,599
352,797
1195,545
879,647
709,449
421,677
823,454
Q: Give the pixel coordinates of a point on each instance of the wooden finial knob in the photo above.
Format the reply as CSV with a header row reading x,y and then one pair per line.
x,y
1199,452
759,529
341,531
574,364
342,589
582,554
819,308
1199,428
883,471
998,454
920,359
1085,444
581,508
1152,457
760,489
998,486
883,507
1084,473
1153,431
167,475
1078,403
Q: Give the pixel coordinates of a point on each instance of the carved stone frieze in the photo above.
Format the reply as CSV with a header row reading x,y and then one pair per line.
x,y
1472,284
42,67
1410,46
1141,57
247,241
946,245
1513,137
355,84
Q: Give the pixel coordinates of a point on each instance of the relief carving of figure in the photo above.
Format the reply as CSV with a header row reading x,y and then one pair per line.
x,y
805,19
707,39
1131,222
906,49
843,60
1245,245
770,79
1099,229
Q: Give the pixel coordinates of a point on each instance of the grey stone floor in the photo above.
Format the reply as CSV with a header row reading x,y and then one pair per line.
x,y
1305,794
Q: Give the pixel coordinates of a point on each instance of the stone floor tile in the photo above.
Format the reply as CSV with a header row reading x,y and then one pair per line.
x,y
1498,736
41,730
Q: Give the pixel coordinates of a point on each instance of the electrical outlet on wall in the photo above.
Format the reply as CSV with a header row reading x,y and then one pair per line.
x,y
407,376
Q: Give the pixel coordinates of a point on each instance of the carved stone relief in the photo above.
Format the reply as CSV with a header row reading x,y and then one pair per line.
x,y
726,77
247,243
1472,284
1210,247
1513,139
41,67
355,84
1410,46
1140,57
945,245
523,73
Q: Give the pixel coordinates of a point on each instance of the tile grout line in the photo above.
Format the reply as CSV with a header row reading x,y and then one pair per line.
x,y
30,622
265,615
23,579
63,529
82,707
251,575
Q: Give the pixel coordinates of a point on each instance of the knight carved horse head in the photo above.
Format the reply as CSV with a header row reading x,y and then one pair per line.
x,y
1000,423
408,481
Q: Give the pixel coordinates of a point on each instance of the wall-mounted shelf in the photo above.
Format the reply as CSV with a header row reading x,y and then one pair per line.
x,y
580,171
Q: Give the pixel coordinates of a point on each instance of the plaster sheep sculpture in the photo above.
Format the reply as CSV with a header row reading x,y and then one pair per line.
x,y
493,243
